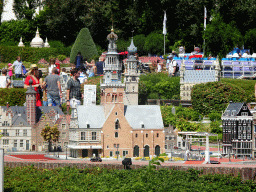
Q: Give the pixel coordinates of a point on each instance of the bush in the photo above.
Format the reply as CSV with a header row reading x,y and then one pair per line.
x,y
214,116
215,96
158,86
246,85
215,127
14,96
8,54
56,44
84,43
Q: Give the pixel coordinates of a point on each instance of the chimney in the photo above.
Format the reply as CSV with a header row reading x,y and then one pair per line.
x,y
7,105
31,104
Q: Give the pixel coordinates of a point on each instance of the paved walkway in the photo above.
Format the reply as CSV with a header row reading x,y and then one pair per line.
x,y
62,159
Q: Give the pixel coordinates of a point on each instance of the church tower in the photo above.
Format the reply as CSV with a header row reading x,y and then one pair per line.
x,y
112,89
131,78
31,104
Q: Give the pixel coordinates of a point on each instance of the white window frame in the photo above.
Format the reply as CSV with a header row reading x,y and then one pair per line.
x,y
94,136
17,132
5,143
83,136
25,132
15,143
21,143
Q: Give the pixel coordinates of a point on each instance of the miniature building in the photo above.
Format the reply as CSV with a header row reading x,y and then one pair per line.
x,y
63,82
192,73
237,122
113,128
21,125
131,79
46,44
90,94
21,43
37,41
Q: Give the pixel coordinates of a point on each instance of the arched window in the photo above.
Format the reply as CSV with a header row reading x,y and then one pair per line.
x,y
116,134
117,124
146,135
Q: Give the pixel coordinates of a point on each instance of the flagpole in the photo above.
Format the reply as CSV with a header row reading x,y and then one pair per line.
x,y
164,28
205,15
164,44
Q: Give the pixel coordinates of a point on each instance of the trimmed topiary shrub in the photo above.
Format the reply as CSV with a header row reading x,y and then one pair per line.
x,y
85,44
215,96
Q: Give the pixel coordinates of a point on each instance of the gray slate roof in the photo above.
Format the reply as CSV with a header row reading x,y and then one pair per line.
x,y
199,76
91,114
233,107
149,115
20,113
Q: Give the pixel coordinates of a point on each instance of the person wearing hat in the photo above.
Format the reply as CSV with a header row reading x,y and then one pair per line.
x,y
33,75
172,66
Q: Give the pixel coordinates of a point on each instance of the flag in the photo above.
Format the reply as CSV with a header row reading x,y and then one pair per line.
x,y
164,24
205,16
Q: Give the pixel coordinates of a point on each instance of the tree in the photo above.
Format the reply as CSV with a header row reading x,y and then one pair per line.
x,y
11,31
50,134
220,37
154,43
215,96
85,44
25,9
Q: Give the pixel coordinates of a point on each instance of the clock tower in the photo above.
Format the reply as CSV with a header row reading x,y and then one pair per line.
x,y
112,89
131,77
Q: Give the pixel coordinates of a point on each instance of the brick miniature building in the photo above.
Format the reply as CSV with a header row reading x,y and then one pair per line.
x,y
21,125
114,128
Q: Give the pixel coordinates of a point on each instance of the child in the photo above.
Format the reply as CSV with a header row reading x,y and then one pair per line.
x,y
10,70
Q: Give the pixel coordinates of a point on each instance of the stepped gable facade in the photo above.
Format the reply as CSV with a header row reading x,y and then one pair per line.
x,y
237,122
115,128
21,125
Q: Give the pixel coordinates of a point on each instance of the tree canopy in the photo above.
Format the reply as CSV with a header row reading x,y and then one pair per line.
x,y
228,22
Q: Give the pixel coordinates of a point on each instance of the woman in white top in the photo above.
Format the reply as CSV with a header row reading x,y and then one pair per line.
x,y
4,79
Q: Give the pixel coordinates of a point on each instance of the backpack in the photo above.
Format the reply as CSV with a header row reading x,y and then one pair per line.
x,y
177,67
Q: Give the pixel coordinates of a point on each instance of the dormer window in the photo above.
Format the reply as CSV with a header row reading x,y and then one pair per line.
x,y
142,125
87,126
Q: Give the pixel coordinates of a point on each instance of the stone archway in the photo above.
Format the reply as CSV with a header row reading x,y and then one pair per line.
x,y
136,151
157,150
146,151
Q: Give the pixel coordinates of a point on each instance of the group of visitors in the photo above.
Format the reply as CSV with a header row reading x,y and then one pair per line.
x,y
92,69
171,66
19,69
49,90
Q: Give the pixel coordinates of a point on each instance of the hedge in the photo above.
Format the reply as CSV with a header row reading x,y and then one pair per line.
x,y
14,96
8,54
